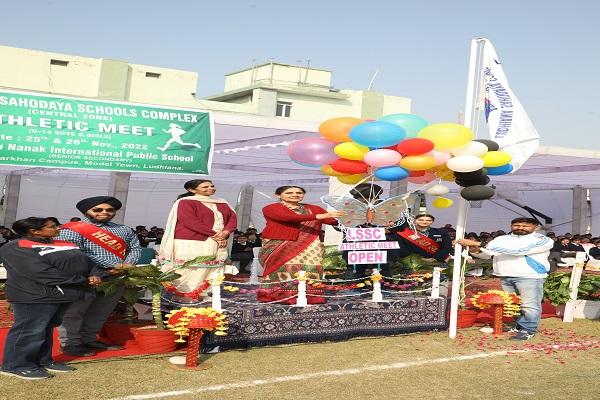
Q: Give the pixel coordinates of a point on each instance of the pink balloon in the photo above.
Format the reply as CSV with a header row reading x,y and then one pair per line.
x,y
425,178
312,151
440,157
382,158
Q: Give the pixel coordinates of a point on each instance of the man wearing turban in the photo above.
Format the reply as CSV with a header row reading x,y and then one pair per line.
x,y
110,248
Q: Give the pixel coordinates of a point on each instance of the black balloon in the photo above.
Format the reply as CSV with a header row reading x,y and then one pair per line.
x,y
478,177
482,180
491,145
477,192
471,175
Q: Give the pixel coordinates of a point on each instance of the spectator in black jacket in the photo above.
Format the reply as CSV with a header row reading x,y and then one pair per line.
x,y
44,276
241,251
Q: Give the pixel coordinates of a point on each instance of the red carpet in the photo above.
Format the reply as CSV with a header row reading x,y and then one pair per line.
x,y
131,349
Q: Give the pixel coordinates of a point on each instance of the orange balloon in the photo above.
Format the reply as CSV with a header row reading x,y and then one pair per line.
x,y
417,163
337,129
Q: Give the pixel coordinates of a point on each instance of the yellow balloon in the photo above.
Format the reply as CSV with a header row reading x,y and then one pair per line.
x,y
446,135
327,170
496,158
337,129
417,163
351,151
442,202
351,179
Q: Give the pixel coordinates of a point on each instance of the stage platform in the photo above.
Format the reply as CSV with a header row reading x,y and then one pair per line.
x,y
254,324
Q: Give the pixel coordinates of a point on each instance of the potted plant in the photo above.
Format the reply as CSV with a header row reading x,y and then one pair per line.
x,y
466,315
6,317
556,289
157,338
333,263
132,281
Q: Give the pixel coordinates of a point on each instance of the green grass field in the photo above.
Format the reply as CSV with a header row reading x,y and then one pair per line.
x,y
560,363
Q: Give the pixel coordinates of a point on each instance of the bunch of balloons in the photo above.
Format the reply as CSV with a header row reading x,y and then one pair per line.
x,y
404,146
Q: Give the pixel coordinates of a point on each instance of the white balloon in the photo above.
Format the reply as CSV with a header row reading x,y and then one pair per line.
x,y
465,163
470,149
437,190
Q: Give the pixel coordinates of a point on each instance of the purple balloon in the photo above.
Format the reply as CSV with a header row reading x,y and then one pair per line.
x,y
312,151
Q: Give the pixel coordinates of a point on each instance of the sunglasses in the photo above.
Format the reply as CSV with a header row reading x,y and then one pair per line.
x,y
98,210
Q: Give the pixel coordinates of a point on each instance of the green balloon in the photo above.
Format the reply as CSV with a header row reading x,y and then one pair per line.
x,y
409,122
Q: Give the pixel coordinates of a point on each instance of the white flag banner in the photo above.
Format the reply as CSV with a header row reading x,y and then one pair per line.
x,y
507,120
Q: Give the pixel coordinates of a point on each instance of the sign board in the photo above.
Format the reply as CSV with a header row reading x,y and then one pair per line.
x,y
367,257
368,246
365,234
41,130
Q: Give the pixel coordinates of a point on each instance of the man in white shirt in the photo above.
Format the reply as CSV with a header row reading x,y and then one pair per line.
x,y
521,261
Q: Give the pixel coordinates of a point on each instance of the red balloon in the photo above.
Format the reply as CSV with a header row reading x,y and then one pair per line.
x,y
415,146
349,166
414,174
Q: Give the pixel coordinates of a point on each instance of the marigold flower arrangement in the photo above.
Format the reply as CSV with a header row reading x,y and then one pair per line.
x,y
205,318
510,301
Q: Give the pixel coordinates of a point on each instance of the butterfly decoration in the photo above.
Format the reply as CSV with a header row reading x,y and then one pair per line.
x,y
383,213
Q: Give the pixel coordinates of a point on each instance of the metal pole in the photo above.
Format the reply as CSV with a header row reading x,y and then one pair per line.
x,y
472,80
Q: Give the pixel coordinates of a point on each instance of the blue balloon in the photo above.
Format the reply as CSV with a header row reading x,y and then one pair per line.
x,y
411,123
377,134
501,170
391,173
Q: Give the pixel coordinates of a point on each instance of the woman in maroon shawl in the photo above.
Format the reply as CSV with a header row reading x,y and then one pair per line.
x,y
291,240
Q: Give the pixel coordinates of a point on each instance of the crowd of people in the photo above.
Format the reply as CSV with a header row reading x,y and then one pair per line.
x,y
52,273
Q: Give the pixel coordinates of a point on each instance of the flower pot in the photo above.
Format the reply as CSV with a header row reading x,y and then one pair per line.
x,y
466,318
119,331
6,315
588,309
153,340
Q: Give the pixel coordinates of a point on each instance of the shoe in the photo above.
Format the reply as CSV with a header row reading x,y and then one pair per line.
x,y
514,330
522,335
98,345
58,367
28,374
77,351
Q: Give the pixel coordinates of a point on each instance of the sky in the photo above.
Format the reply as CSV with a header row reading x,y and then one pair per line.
x,y
549,49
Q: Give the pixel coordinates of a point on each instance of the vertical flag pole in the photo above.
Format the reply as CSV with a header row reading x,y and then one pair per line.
x,y
472,83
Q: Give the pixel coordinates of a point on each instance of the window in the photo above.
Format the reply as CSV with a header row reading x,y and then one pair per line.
x,y
152,75
62,63
283,109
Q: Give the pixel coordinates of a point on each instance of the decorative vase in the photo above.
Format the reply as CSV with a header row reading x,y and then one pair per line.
x,y
466,318
193,349
153,340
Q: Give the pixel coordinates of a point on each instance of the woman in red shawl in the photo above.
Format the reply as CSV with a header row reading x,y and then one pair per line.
x,y
291,240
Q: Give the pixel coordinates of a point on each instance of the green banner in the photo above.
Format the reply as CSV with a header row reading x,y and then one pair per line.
x,y
65,132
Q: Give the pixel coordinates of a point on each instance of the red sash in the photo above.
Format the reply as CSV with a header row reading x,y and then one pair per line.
x,y
103,238
421,241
